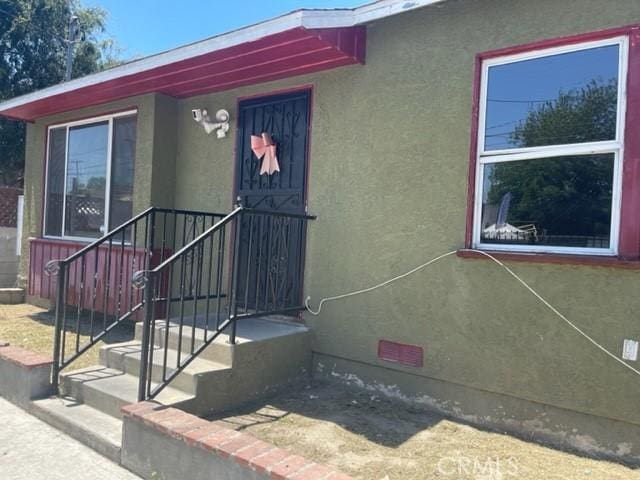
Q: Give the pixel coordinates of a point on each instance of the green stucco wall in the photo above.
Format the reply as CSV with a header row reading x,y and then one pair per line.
x,y
388,181
155,157
389,160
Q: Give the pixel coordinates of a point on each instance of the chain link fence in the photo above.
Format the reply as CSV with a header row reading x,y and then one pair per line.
x,y
9,206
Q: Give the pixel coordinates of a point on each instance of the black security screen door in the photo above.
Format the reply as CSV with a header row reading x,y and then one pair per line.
x,y
271,248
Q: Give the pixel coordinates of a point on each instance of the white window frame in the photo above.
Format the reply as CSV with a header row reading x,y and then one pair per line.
x,y
615,146
68,125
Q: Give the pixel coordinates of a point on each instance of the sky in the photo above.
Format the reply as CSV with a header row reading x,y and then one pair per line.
x,y
515,89
145,27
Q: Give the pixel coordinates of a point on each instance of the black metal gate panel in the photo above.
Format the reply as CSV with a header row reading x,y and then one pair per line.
x,y
271,249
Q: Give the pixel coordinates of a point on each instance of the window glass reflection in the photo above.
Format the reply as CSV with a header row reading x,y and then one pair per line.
x,y
122,170
86,180
55,181
554,100
562,201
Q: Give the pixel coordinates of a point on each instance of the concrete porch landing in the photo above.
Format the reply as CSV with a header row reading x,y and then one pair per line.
x,y
269,353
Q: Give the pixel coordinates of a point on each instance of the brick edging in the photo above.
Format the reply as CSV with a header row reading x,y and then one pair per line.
x,y
22,357
244,449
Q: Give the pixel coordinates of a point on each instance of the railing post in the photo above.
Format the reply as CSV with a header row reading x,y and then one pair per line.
x,y
149,307
151,230
233,308
59,323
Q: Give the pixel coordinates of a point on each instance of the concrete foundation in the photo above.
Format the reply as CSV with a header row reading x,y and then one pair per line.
x,y
11,296
152,454
24,376
169,444
9,259
586,434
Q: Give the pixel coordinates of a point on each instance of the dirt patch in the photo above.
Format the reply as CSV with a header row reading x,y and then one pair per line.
x,y
31,327
372,438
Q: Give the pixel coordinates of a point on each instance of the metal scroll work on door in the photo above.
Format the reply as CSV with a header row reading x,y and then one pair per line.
x,y
272,248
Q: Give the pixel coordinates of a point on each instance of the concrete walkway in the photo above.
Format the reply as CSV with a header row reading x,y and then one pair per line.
x,y
30,449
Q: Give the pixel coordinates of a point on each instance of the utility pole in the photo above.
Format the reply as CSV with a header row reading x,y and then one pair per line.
x,y
74,32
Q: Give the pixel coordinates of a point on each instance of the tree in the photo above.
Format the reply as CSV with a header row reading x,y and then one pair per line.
x,y
571,195
578,116
33,56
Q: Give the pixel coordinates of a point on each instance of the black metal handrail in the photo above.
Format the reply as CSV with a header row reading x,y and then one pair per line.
x,y
95,289
263,246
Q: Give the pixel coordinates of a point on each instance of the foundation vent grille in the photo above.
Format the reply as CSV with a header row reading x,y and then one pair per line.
x,y
410,355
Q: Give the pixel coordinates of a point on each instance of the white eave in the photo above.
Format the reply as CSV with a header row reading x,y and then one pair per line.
x,y
309,19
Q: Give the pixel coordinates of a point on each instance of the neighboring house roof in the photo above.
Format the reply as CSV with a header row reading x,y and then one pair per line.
x,y
303,41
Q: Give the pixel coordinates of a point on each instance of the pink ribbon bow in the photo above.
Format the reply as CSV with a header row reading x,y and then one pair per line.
x,y
263,146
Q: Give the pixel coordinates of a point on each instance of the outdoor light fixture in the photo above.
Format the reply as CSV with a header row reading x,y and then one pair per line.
x,y
201,116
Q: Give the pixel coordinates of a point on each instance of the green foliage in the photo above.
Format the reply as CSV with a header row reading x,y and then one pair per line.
x,y
95,184
566,195
586,115
32,56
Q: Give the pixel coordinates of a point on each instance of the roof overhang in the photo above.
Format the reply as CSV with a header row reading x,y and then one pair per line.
x,y
301,42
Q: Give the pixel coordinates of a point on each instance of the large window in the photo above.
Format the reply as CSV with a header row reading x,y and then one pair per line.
x,y
89,180
548,172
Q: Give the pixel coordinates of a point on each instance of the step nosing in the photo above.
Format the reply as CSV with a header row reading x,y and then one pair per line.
x,y
90,426
121,385
96,423
196,367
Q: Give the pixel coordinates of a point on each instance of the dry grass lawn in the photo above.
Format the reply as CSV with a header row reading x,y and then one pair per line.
x,y
368,437
372,438
31,327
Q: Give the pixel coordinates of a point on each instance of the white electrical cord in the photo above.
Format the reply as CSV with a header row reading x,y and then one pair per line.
x,y
365,290
511,272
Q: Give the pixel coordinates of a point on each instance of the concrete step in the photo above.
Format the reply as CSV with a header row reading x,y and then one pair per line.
x,y
219,351
126,357
97,430
249,331
108,390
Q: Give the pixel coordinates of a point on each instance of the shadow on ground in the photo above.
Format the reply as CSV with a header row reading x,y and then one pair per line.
x,y
378,419
32,328
373,437
85,325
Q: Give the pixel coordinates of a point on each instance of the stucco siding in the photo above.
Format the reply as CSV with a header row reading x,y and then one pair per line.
x,y
388,181
35,158
389,162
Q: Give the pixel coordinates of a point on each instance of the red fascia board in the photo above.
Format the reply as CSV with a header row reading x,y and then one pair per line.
x,y
293,52
341,47
271,63
220,62
352,41
277,76
212,68
241,53
140,83
317,61
202,80
290,52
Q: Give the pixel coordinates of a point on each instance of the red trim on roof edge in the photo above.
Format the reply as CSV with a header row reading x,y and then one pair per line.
x,y
293,52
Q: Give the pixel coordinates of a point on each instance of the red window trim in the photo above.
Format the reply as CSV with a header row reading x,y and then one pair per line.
x,y
629,240
553,258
